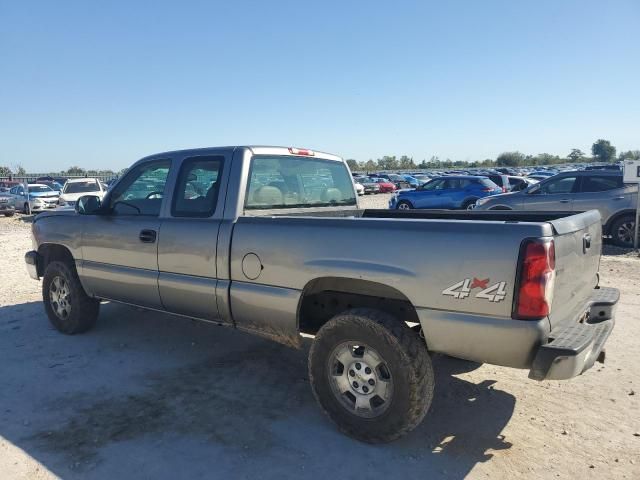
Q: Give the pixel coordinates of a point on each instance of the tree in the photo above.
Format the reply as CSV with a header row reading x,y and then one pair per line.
x,y
75,171
406,163
5,171
576,155
630,155
510,159
370,165
388,163
603,150
353,164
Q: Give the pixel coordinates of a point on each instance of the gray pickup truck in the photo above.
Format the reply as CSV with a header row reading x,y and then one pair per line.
x,y
270,240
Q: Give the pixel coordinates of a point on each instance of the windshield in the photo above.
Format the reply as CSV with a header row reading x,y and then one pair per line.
x,y
81,187
39,189
297,182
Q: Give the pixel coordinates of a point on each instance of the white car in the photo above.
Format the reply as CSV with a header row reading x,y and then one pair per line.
x,y
75,188
359,188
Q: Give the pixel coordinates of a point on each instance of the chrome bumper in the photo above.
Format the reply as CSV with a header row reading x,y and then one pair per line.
x,y
31,260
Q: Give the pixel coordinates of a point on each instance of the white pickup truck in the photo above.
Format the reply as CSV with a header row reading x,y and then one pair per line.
x,y
270,240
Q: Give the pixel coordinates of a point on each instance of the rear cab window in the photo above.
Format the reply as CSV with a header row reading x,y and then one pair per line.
x,y
287,182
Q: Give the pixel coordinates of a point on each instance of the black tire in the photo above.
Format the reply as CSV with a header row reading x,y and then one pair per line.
x,y
404,205
10,214
468,203
82,311
622,231
26,209
405,359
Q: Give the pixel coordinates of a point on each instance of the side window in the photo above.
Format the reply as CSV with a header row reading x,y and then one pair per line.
x,y
196,193
558,186
434,185
13,190
141,190
601,184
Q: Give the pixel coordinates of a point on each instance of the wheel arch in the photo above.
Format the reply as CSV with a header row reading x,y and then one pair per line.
x,y
51,252
606,230
323,298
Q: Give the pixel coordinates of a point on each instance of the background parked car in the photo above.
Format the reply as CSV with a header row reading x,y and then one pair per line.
x,y
33,198
385,186
579,191
7,208
452,192
370,186
77,187
359,188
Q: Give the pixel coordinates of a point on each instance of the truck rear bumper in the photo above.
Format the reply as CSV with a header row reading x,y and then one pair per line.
x,y
574,348
549,355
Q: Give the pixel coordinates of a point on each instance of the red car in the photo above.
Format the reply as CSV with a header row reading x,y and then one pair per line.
x,y
385,185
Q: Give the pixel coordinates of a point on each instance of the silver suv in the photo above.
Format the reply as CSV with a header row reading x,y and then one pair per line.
x,y
578,191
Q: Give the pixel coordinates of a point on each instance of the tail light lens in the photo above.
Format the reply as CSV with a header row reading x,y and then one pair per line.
x,y
504,189
535,283
487,189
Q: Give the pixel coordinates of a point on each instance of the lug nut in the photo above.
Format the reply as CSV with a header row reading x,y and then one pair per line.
x,y
371,382
365,389
358,366
352,373
367,371
355,384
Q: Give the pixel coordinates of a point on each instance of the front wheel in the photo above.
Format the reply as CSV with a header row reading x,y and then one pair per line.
x,y
371,374
69,308
404,205
469,204
623,231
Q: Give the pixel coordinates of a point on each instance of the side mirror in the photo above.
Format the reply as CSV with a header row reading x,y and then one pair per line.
x,y
88,204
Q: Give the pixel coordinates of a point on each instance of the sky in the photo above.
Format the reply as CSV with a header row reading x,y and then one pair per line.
x,y
101,84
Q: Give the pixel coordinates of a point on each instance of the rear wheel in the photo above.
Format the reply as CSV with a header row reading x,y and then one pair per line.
x,y
69,308
623,231
404,205
10,214
371,374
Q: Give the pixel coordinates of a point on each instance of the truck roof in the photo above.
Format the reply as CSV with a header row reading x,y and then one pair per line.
x,y
255,149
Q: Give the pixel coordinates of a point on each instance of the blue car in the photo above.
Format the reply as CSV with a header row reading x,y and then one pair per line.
x,y
451,192
413,182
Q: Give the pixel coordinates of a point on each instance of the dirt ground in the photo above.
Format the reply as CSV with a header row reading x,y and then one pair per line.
x,y
147,395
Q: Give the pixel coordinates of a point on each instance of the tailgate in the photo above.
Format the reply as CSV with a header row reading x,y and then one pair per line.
x,y
578,243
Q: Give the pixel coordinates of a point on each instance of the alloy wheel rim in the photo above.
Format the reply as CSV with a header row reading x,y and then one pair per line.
x,y
626,232
360,379
59,293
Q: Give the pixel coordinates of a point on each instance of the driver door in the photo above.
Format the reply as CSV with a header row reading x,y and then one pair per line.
x,y
555,194
120,245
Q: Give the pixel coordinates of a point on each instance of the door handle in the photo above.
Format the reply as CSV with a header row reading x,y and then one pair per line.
x,y
148,236
586,242
564,200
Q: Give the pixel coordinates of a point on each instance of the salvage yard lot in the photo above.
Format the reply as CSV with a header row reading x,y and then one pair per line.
x,y
155,396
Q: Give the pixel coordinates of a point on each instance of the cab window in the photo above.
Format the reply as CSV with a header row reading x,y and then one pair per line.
x,y
196,193
141,190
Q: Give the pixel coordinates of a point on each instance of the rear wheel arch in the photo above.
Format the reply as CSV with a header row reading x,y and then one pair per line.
x,y
606,230
325,297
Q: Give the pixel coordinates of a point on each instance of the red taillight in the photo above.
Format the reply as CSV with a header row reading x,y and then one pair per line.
x,y
301,151
487,189
537,274
504,189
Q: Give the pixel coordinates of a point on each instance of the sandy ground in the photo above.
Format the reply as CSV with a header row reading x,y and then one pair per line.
x,y
147,395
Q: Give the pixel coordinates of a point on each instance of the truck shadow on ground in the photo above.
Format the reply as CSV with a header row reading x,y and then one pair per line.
x,y
147,392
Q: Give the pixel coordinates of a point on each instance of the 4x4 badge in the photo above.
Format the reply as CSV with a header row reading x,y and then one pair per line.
x,y
461,290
